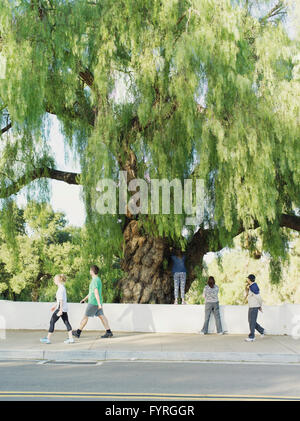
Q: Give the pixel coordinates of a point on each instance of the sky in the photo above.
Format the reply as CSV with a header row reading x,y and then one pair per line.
x,y
64,197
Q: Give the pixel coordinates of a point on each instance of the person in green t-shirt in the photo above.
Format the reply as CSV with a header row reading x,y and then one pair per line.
x,y
94,307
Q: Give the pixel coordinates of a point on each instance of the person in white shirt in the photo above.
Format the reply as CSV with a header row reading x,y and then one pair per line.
x,y
60,310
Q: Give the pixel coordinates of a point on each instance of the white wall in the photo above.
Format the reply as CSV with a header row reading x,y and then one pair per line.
x,y
278,320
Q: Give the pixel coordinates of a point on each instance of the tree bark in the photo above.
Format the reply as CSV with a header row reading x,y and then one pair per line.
x,y
146,280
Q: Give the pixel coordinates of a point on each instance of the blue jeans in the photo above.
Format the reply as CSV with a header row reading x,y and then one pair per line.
x,y
212,307
252,317
179,279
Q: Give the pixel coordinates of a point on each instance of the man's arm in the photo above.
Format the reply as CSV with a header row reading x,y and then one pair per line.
x,y
84,299
246,293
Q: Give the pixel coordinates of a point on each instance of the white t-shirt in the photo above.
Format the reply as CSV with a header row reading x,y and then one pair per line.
x,y
61,294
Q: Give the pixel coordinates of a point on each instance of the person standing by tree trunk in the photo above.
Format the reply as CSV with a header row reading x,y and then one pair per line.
x,y
210,293
179,275
255,303
95,302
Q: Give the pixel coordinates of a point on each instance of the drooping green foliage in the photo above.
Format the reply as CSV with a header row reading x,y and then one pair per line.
x,y
47,247
210,87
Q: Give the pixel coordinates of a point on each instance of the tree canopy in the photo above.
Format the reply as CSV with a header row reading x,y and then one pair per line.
x,y
175,89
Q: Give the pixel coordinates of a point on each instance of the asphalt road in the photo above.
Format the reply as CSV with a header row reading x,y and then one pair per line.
x,y
29,380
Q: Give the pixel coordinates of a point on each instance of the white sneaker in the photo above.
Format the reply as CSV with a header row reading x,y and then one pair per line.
x,y
250,339
69,341
221,333
201,333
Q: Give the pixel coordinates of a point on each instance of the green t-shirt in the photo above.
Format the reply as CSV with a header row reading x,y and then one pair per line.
x,y
95,283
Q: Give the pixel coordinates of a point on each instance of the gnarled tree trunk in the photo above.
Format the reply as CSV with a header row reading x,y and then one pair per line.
x,y
145,281
147,265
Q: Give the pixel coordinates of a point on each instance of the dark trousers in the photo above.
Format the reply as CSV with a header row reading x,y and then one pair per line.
x,y
252,317
54,319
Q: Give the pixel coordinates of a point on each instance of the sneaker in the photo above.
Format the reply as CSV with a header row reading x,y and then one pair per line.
x,y
250,339
262,335
107,335
221,333
201,333
69,341
75,333
45,341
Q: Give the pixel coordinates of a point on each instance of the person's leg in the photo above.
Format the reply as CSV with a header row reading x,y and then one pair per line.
x,y
208,309
182,286
83,322
53,320
67,324
108,333
104,322
216,310
176,286
259,328
252,317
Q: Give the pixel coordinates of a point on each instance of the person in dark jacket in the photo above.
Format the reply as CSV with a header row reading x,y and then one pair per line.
x,y
179,275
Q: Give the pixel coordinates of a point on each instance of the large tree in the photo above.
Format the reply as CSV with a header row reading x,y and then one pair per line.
x,y
210,89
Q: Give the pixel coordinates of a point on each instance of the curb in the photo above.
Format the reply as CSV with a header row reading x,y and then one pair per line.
x,y
106,355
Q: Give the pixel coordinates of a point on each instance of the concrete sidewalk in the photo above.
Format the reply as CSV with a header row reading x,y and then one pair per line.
x,y
130,346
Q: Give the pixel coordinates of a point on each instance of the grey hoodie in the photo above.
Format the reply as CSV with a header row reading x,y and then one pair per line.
x,y
254,300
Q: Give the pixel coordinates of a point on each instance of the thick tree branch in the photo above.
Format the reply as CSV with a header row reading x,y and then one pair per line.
x,y
44,172
5,129
200,242
290,221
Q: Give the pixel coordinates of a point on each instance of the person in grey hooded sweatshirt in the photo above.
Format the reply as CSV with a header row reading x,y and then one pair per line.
x,y
210,293
255,305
